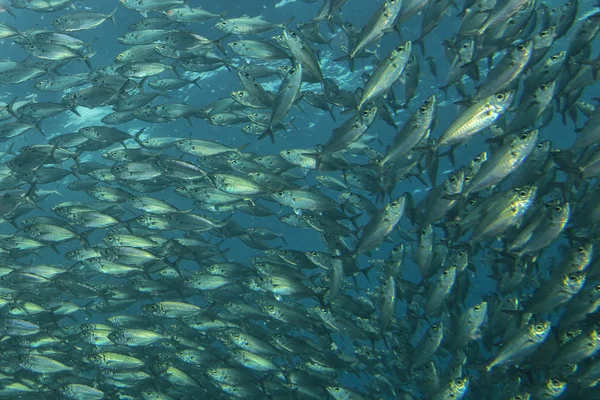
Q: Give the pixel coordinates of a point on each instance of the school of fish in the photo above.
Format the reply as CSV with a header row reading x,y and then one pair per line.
x,y
437,243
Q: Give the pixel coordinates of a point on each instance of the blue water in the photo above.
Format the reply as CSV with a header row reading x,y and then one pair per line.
x,y
313,126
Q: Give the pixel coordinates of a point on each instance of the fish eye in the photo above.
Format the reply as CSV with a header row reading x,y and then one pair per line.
x,y
544,33
554,58
581,250
522,193
400,48
477,308
314,253
558,209
280,194
423,110
337,388
292,71
224,23
523,136
394,204
452,179
572,278
555,382
365,113
539,328
540,146
500,96
234,44
446,273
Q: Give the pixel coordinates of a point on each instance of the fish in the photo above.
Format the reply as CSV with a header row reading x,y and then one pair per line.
x,y
152,246
380,225
382,20
249,26
386,74
80,21
522,344
478,116
285,98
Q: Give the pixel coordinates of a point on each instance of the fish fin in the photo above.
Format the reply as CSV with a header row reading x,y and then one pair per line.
x,y
331,109
111,16
472,70
10,11
349,58
219,44
88,46
195,82
10,107
74,111
175,69
421,43
268,132
432,171
83,238
86,59
136,137
289,21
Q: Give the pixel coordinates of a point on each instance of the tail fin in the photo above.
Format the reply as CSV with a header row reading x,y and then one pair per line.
x,y
111,16
10,107
268,132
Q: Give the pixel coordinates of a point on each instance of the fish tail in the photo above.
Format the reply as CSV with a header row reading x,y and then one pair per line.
x,y
10,107
30,195
348,57
195,82
111,16
219,43
268,132
175,69
421,43
332,114
86,59
289,21
136,137
10,11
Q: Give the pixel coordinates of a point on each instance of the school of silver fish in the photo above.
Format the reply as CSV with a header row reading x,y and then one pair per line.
x,y
167,265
